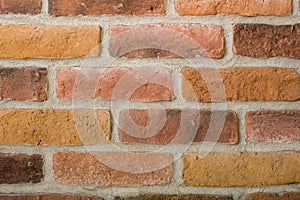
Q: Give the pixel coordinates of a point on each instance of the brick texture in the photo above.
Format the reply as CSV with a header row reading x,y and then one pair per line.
x,y
178,126
100,7
23,41
241,169
263,41
241,7
167,40
175,197
54,127
240,84
21,7
146,84
20,168
113,169
49,197
23,84
273,196
273,126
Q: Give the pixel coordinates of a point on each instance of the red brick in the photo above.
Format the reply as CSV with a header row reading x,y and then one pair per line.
x,y
22,7
240,84
178,126
20,168
113,168
273,126
176,197
23,84
49,197
241,7
234,169
145,84
263,41
100,7
24,41
273,196
167,40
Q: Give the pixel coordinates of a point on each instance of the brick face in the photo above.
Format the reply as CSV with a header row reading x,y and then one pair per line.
x,y
113,168
20,168
21,7
100,7
222,169
146,84
49,197
167,40
273,126
265,41
23,84
240,84
54,127
23,41
177,126
240,7
273,196
176,197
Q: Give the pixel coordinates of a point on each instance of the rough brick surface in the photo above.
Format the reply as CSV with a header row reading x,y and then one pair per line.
x,y
241,169
262,41
20,168
273,196
23,41
100,7
167,40
49,197
241,7
23,84
113,169
54,127
145,84
273,126
22,7
240,84
176,197
178,126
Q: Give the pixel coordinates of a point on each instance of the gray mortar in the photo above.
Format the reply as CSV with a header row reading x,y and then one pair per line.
x,y
49,185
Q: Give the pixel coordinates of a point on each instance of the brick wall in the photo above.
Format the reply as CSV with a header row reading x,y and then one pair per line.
x,y
156,99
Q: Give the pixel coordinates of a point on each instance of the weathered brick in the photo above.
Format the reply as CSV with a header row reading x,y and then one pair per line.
x,y
240,7
178,126
113,168
176,197
167,40
23,41
20,168
23,84
145,84
273,126
54,127
241,168
21,7
240,84
100,7
262,41
49,197
273,196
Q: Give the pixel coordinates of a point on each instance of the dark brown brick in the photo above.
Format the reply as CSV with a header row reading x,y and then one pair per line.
x,y
273,196
100,7
49,197
178,126
273,126
23,84
21,6
263,41
20,168
176,197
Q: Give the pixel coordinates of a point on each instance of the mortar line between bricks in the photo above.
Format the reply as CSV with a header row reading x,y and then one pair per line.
x,y
295,7
45,6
